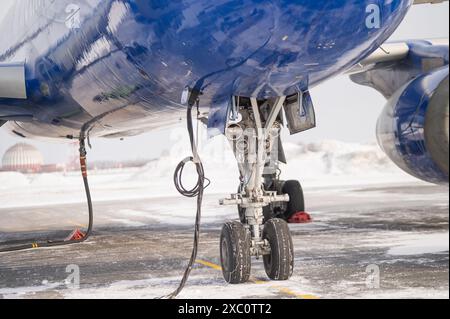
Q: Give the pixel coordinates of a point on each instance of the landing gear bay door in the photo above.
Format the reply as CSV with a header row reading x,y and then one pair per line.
x,y
300,113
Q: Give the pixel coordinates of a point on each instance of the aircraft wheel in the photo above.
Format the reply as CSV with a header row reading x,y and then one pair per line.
x,y
235,255
296,198
279,264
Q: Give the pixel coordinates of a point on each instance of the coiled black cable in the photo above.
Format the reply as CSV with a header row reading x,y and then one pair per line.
x,y
196,191
178,176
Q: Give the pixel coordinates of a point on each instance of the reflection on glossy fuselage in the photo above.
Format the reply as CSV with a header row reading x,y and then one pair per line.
x,y
85,58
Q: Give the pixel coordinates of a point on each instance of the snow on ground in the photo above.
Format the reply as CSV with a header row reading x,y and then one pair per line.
x,y
328,163
160,287
399,226
426,244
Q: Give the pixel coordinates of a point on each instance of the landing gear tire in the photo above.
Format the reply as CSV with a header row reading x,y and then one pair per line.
x,y
279,264
296,202
235,255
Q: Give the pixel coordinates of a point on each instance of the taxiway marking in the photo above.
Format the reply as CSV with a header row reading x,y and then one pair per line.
x,y
281,289
208,264
77,224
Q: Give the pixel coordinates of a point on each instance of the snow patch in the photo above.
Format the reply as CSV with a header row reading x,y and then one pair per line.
x,y
15,293
13,180
424,244
328,163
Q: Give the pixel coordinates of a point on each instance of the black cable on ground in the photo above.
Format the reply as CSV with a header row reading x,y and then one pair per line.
x,y
88,233
196,191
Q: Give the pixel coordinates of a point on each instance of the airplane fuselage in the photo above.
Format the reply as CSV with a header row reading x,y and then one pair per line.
x,y
132,59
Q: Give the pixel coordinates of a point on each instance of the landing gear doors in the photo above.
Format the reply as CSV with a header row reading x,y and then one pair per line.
x,y
300,113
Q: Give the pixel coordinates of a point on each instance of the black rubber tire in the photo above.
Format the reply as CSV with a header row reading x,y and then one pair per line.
x,y
279,264
235,257
296,198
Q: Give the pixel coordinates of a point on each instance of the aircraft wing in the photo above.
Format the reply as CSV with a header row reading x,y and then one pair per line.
x,y
429,1
395,64
390,52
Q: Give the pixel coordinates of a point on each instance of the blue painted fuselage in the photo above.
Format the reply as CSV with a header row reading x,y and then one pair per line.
x,y
132,59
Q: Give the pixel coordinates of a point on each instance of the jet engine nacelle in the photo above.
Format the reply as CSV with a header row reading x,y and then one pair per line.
x,y
413,129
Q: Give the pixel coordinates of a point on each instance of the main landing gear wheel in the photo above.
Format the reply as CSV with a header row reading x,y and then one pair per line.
x,y
279,264
296,202
235,253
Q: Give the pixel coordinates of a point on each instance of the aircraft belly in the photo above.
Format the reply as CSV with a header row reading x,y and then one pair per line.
x,y
141,55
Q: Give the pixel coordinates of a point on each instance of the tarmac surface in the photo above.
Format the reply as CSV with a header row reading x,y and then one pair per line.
x,y
365,242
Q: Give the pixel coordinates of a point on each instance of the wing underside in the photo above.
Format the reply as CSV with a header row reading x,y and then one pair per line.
x,y
429,1
390,52
395,64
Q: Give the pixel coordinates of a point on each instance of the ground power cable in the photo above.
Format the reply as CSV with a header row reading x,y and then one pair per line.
x,y
197,191
81,237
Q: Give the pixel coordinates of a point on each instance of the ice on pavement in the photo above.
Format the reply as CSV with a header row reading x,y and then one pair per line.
x,y
424,244
366,212
327,163
160,287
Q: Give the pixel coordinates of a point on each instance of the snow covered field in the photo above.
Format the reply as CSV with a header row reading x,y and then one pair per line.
x,y
366,212
326,164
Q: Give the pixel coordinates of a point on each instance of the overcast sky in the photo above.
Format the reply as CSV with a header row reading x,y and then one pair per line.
x,y
345,111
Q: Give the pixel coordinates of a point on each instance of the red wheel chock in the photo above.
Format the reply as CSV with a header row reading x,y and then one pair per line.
x,y
75,235
300,218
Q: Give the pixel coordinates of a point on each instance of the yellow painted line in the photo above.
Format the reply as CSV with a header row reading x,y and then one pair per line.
x,y
281,289
290,292
77,224
208,264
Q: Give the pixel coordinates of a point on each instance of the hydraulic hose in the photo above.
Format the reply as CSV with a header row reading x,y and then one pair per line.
x,y
48,244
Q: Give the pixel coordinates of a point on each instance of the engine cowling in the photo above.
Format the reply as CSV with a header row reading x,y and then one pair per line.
x,y
413,129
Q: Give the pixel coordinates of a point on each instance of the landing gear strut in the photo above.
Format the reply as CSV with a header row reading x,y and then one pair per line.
x,y
263,230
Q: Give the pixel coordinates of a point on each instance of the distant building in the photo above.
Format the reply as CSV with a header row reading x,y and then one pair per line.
x,y
23,158
27,159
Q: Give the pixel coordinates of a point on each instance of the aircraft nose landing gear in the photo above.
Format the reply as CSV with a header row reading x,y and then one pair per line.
x,y
257,234
236,251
